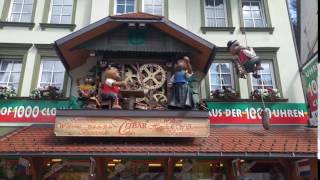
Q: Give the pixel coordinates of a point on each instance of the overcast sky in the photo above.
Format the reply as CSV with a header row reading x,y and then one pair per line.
x,y
293,10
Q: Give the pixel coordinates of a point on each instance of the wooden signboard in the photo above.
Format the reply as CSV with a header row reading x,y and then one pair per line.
x,y
131,127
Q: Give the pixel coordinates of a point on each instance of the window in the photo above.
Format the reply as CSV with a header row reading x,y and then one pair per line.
x,y
52,73
125,6
215,13
155,7
221,74
10,70
61,11
252,12
267,77
20,11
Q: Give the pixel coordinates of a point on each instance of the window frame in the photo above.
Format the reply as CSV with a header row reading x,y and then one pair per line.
x,y
60,15
244,85
262,13
273,77
228,13
266,14
47,51
16,50
225,15
5,14
268,54
12,60
46,18
45,58
162,4
232,73
20,13
115,6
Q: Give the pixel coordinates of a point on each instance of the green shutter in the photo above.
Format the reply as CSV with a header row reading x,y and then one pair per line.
x,y
74,9
34,7
5,10
166,8
267,13
36,71
23,69
241,14
229,13
139,5
203,16
111,7
46,10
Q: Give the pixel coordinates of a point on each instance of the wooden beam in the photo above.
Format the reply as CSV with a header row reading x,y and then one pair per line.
x,y
170,168
37,166
228,164
100,167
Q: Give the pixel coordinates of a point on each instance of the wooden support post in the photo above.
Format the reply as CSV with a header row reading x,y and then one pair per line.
x,y
100,168
314,168
228,165
170,168
37,166
33,169
287,169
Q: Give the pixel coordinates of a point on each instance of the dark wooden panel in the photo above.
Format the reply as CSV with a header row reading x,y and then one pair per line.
x,y
118,40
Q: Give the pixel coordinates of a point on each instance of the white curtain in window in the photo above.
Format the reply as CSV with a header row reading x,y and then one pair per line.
x,y
220,74
267,77
215,12
52,73
10,70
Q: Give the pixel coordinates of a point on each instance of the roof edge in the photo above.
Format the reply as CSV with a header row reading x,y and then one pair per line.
x,y
174,154
137,16
82,30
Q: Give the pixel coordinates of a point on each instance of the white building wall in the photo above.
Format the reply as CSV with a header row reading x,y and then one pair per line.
x,y
186,13
99,9
178,12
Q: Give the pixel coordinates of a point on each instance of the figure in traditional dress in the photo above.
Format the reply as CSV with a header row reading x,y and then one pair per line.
x,y
111,87
181,92
246,57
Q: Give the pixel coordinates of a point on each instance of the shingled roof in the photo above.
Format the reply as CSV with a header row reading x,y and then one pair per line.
x,y
202,53
238,141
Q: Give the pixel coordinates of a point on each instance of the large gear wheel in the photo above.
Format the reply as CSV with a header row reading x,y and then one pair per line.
x,y
153,76
132,79
157,95
160,98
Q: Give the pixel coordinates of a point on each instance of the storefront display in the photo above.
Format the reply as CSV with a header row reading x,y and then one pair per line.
x,y
259,169
135,169
64,169
189,169
15,169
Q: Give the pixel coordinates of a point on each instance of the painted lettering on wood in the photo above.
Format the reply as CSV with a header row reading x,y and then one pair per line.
x,y
132,127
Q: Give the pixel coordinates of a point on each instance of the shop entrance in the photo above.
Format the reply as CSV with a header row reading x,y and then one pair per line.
x,y
145,168
118,169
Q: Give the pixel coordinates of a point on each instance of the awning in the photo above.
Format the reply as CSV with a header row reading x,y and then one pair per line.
x,y
66,47
224,141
